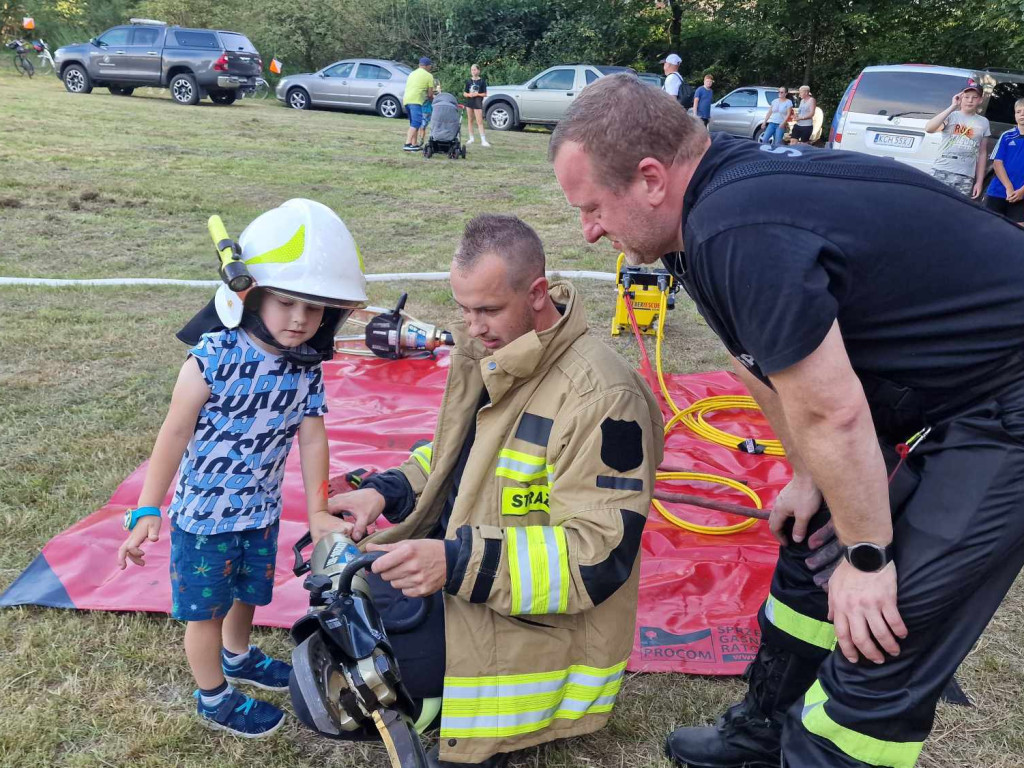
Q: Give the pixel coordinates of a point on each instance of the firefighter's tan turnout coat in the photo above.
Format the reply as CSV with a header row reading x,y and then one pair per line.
x,y
541,606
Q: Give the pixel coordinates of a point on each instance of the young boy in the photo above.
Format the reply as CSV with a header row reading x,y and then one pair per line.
x,y
247,387
962,155
1005,194
428,112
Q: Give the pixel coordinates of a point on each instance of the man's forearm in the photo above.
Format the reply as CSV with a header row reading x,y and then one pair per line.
x,y
771,406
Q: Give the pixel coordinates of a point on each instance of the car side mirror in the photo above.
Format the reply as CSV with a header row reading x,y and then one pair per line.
x,y
532,86
321,74
724,104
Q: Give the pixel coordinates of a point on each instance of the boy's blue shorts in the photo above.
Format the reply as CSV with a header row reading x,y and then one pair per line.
x,y
208,573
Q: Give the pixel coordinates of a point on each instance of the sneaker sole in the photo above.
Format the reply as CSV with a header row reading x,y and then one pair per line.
x,y
261,686
213,725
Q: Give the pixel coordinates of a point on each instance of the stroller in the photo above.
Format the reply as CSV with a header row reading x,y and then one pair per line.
x,y
445,129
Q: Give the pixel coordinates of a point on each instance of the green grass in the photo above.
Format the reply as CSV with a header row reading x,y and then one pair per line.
x,y
104,186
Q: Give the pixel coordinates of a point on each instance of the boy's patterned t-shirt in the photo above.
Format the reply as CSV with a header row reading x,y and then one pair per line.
x,y
230,476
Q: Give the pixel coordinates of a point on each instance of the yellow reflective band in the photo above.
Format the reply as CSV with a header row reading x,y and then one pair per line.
x,y
538,557
283,254
522,501
523,467
508,705
866,749
817,633
423,456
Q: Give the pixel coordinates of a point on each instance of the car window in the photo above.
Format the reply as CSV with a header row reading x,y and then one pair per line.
x,y
910,93
742,98
1000,103
339,70
591,76
402,68
372,72
145,36
556,80
233,41
117,36
191,38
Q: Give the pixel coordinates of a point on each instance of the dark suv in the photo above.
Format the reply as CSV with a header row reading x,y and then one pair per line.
x,y
192,63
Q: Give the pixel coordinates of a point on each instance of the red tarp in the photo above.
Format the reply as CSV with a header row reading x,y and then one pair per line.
x,y
699,594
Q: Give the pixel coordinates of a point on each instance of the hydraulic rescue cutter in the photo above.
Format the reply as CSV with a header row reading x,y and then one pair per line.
x,y
345,681
392,334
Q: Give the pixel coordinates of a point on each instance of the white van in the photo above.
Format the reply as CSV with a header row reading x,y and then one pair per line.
x,y
884,110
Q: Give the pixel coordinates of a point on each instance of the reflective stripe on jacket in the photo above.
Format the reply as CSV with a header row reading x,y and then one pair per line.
x,y
541,606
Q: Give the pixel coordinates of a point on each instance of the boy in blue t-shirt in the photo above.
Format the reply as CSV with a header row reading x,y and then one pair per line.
x,y
1005,194
247,388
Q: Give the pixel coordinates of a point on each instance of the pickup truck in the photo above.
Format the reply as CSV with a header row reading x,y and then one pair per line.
x,y
192,63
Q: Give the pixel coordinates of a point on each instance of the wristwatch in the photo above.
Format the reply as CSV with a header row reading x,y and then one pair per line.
x,y
868,557
131,516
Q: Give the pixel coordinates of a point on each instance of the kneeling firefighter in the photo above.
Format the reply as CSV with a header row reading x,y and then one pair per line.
x,y
520,523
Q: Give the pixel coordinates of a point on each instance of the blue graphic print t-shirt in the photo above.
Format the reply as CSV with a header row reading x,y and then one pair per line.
x,y
231,473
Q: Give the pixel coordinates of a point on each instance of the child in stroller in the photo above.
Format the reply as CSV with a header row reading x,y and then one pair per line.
x,y
445,128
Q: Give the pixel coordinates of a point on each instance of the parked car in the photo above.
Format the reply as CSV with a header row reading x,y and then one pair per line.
x,y
543,99
651,79
371,85
192,63
885,108
741,111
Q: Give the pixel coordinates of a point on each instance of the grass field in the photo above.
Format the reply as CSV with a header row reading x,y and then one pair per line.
x,y
105,186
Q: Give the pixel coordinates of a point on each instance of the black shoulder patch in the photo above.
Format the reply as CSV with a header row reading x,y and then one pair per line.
x,y
534,429
622,444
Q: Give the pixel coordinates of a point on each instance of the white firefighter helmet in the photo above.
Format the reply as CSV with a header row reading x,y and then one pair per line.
x,y
303,250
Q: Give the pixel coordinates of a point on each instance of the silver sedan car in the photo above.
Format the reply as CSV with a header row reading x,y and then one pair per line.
x,y
371,85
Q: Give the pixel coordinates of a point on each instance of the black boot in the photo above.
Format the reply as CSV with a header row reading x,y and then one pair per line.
x,y
748,735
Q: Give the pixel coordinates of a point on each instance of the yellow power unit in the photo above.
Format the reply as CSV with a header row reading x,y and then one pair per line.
x,y
644,287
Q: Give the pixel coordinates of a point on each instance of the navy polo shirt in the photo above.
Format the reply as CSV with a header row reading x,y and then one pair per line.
x,y
1010,150
927,287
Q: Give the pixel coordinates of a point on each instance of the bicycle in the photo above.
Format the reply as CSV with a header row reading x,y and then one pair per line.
x,y
21,62
259,91
44,56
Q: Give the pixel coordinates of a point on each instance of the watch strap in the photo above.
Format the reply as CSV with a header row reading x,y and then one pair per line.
x,y
132,516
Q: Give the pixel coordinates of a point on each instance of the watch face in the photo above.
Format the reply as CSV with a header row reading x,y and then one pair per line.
x,y
867,557
127,520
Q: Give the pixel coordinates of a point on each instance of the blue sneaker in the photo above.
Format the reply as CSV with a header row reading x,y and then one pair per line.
x,y
258,669
241,715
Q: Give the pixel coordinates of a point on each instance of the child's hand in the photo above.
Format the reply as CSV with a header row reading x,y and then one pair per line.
x,y
955,103
323,522
1015,196
146,529
976,192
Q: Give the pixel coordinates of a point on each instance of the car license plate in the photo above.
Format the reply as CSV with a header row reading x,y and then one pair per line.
x,y
894,140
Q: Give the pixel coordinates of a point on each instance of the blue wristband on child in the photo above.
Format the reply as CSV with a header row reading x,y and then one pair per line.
x,y
131,516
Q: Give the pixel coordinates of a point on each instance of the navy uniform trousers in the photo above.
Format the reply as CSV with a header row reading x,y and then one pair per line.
x,y
958,532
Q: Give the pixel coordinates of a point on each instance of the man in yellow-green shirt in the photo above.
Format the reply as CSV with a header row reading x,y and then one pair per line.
x,y
418,88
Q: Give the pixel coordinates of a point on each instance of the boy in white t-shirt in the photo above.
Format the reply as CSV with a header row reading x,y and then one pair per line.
x,y
961,159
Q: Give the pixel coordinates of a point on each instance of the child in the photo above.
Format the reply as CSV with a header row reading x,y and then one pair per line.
x,y
428,111
247,387
1005,194
962,155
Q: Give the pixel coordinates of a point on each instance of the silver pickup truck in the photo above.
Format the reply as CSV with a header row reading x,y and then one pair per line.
x,y
192,63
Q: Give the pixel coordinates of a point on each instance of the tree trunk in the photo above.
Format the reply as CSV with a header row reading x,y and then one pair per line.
x,y
676,27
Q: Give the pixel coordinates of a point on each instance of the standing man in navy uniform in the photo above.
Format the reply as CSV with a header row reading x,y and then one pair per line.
x,y
886,310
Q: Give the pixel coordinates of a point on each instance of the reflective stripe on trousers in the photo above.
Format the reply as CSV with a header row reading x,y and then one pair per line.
x,y
538,558
508,705
818,633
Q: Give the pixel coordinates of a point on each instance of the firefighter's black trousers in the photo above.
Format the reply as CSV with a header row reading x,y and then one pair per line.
x,y
958,531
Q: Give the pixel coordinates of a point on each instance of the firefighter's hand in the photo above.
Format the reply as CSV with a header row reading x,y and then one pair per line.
x,y
323,522
417,567
365,506
800,499
863,608
146,529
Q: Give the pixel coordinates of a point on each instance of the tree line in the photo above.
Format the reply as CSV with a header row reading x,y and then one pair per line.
x,y
741,42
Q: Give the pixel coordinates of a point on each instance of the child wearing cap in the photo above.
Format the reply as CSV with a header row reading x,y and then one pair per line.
x,y
1005,194
962,153
249,386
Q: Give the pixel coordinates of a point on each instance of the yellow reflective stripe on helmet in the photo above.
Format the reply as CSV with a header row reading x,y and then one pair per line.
x,y
538,557
866,749
507,705
283,254
524,467
522,501
423,456
817,633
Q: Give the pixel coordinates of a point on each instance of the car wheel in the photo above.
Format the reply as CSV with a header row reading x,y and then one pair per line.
x,y
389,106
501,117
298,98
223,97
119,91
184,89
76,79
757,134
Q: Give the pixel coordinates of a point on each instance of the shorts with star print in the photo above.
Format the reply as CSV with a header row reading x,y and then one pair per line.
x,y
210,572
